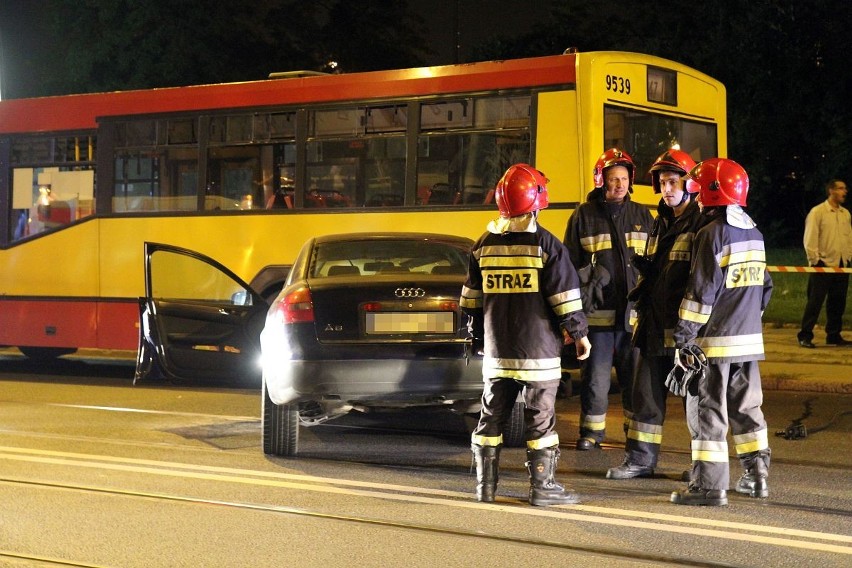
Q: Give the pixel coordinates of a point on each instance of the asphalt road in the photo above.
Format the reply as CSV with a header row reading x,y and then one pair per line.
x,y
97,472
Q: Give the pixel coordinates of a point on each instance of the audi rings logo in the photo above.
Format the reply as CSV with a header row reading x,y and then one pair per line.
x,y
409,292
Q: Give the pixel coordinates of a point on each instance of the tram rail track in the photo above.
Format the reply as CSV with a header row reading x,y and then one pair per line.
x,y
112,465
597,551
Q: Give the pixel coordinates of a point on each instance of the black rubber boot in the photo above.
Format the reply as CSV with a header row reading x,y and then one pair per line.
x,y
544,490
487,459
753,481
629,470
694,495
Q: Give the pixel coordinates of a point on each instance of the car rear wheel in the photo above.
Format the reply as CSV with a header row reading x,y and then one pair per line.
x,y
514,434
279,427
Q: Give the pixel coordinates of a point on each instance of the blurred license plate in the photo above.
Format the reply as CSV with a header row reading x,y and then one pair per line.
x,y
410,322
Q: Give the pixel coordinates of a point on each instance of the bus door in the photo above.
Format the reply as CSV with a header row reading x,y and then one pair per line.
x,y
198,320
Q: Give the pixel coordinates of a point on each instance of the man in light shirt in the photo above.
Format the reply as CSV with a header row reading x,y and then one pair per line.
x,y
828,243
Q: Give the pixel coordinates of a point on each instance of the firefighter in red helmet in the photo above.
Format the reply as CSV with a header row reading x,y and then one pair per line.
x,y
602,236
664,272
522,299
720,314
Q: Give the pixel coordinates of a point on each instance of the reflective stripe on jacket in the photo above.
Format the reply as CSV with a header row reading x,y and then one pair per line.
x,y
521,288
727,292
609,236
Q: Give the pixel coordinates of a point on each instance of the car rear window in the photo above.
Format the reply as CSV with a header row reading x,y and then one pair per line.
x,y
376,257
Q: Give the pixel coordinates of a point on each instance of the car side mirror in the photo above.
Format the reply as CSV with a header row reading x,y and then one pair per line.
x,y
241,298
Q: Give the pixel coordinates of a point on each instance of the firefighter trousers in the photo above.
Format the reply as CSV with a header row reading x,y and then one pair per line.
x,y
729,394
645,428
498,398
609,349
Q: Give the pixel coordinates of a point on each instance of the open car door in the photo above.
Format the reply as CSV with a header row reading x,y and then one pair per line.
x,y
198,320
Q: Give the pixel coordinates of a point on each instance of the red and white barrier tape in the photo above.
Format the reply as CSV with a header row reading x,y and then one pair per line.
x,y
808,269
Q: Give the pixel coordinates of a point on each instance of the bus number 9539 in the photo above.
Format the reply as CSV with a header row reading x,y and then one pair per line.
x,y
617,84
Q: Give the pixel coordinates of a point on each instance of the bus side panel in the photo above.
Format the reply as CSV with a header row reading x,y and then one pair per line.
x,y
48,322
57,264
118,325
557,147
248,243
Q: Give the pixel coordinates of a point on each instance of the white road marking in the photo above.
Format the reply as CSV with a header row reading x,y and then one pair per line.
x,y
598,515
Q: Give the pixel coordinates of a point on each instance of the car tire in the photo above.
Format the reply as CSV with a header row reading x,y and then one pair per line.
x,y
279,427
514,433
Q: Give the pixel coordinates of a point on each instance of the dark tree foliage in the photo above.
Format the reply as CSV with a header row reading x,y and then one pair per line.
x,y
103,45
124,44
369,35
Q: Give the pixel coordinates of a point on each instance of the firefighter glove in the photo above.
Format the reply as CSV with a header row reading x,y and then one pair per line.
x,y
593,279
690,364
642,263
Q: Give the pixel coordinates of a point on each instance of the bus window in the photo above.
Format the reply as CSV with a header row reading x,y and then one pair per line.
x,y
356,157
241,164
234,179
645,136
458,169
53,183
156,165
465,146
159,179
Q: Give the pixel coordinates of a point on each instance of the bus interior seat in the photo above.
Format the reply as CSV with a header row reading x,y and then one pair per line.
x,y
279,200
442,194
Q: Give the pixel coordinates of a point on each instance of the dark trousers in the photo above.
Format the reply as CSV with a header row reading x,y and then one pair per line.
x,y
609,349
498,398
729,394
831,289
645,428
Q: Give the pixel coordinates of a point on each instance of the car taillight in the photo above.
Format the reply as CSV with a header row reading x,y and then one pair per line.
x,y
295,307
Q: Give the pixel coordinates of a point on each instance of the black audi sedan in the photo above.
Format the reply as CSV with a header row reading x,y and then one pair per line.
x,y
365,321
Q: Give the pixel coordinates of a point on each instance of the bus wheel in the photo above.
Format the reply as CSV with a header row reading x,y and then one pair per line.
x,y
46,353
279,427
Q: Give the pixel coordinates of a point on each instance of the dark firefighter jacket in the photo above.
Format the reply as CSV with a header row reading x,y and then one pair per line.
x,y
664,276
521,288
607,235
728,289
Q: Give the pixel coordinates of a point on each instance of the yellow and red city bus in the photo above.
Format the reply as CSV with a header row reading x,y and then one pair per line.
x,y
245,172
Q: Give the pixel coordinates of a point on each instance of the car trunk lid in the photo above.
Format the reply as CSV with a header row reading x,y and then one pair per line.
x,y
387,309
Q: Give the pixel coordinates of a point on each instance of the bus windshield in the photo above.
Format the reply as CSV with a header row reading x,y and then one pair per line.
x,y
646,135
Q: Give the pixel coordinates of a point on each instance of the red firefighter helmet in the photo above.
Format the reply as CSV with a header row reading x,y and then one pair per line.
x,y
522,189
673,160
610,158
720,182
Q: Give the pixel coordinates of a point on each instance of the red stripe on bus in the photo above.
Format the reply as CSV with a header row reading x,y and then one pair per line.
x,y
73,112
84,324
